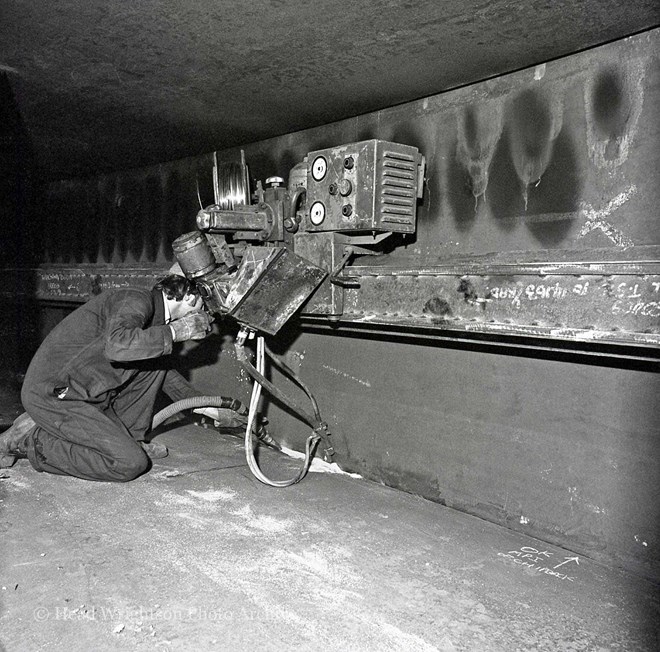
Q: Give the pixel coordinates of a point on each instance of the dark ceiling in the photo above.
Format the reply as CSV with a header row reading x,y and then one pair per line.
x,y
97,85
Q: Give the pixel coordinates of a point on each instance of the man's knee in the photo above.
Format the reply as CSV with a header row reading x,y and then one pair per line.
x,y
128,469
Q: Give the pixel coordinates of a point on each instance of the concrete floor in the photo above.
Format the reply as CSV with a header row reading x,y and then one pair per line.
x,y
198,555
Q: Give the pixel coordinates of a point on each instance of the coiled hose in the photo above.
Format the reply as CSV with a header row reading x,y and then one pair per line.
x,y
320,428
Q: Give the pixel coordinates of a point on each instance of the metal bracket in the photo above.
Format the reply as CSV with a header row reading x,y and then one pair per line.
x,y
344,281
349,281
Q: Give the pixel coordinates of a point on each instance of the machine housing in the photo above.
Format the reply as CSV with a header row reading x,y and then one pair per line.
x,y
338,201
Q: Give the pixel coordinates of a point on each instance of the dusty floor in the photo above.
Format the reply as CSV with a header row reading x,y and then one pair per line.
x,y
198,555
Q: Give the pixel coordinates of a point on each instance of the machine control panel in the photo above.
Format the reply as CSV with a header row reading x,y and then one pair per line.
x,y
369,186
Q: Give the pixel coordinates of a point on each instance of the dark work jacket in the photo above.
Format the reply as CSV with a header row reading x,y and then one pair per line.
x,y
97,349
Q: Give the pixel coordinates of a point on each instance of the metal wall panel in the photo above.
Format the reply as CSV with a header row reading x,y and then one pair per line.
x,y
542,176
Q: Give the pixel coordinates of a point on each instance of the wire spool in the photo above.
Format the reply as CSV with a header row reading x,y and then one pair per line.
x,y
230,184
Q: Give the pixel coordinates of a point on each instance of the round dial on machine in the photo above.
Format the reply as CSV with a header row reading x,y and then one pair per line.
x,y
319,168
317,213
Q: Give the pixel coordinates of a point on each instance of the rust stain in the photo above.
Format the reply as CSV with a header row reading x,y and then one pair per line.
x,y
437,306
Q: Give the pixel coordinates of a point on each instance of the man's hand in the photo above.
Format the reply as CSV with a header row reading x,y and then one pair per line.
x,y
224,417
195,326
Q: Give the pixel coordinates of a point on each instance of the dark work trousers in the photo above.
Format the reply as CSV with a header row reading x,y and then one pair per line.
x,y
93,441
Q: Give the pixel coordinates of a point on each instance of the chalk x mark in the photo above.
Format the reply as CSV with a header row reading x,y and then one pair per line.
x,y
595,219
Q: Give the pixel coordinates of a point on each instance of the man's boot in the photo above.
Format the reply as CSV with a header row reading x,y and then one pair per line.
x,y
13,442
154,450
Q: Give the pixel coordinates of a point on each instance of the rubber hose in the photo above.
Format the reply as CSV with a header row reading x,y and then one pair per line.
x,y
198,402
264,382
312,440
285,367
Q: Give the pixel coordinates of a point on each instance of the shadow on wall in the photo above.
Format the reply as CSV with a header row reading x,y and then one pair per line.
x,y
516,159
107,224
556,198
535,171
181,200
152,219
86,246
123,218
21,237
18,184
613,100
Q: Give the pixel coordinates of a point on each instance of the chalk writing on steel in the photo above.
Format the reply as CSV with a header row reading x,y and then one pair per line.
x,y
631,297
79,284
534,292
539,561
